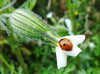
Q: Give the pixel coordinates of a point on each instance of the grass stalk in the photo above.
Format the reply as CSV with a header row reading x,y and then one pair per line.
x,y
7,64
69,5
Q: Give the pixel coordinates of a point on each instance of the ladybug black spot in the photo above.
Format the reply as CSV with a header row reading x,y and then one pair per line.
x,y
66,49
64,44
61,39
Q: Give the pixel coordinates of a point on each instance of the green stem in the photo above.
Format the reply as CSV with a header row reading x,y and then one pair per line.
x,y
71,16
21,60
7,64
18,54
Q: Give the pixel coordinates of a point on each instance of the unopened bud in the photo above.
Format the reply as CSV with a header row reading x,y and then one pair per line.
x,y
30,25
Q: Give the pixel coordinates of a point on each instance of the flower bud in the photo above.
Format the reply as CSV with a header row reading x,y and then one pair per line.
x,y
30,25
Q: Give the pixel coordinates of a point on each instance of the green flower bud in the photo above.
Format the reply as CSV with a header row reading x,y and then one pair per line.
x,y
30,25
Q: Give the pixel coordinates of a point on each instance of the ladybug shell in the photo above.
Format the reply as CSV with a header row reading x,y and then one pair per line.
x,y
65,44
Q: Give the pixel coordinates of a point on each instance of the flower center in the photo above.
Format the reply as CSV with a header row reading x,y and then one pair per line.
x,y
65,44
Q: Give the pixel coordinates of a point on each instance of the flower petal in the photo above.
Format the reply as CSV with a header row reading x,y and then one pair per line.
x,y
61,58
77,39
74,52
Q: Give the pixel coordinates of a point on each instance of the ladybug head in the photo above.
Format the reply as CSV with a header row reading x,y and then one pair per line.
x,y
65,44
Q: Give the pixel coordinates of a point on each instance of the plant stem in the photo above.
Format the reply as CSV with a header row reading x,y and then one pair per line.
x,y
13,2
18,54
7,64
21,60
71,16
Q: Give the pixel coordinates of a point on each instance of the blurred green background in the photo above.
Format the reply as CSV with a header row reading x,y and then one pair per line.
x,y
40,58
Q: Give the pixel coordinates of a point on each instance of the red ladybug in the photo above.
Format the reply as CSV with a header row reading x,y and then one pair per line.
x,y
65,44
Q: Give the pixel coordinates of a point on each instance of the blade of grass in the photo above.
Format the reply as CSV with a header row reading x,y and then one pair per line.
x,y
7,64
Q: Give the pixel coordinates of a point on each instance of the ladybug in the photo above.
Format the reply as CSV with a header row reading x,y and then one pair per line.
x,y
65,44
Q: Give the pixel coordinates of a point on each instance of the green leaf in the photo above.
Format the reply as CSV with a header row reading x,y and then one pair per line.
x,y
29,4
4,27
19,70
1,70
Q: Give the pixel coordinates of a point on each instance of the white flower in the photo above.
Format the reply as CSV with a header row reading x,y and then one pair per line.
x,y
92,45
61,55
49,15
68,23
